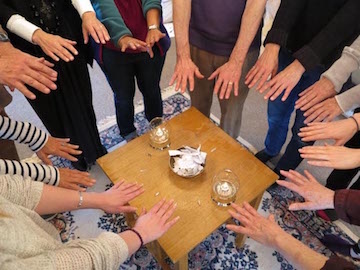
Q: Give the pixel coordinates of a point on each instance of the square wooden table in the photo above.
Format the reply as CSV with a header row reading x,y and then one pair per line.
x,y
137,161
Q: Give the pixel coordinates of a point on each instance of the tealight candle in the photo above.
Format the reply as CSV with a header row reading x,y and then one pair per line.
x,y
225,187
159,134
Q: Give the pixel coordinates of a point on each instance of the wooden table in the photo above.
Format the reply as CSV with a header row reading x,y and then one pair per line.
x,y
137,161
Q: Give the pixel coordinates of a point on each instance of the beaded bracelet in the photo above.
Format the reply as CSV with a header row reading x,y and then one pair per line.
x,y
138,234
356,122
81,199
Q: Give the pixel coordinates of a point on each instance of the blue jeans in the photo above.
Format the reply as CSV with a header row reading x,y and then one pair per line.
x,y
279,113
121,69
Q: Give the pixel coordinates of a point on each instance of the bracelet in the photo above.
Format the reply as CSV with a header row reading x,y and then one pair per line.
x,y
81,199
138,234
356,122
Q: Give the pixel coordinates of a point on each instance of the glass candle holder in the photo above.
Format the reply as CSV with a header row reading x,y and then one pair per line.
x,y
224,188
159,134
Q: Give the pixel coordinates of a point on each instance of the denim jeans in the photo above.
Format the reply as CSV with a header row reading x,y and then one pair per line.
x,y
121,69
279,113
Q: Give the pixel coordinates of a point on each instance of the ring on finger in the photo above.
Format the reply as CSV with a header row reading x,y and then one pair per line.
x,y
230,83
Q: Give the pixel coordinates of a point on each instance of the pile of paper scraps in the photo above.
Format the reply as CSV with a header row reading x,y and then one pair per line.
x,y
188,161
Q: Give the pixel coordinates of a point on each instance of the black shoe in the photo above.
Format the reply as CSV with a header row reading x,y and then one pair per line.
x,y
263,156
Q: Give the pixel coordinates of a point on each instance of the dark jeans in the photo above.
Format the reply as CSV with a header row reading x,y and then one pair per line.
x,y
279,113
121,69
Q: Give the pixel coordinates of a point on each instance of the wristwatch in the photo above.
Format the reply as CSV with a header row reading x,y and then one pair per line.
x,y
4,37
153,27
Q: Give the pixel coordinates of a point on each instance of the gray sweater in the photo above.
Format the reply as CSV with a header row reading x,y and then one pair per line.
x,y
29,242
340,72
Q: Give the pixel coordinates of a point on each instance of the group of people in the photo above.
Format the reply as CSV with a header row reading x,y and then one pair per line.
x,y
309,54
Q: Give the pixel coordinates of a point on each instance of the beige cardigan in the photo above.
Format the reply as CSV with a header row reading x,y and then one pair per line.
x,y
29,242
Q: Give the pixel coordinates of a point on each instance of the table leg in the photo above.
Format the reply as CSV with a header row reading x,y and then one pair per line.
x,y
183,263
159,254
240,238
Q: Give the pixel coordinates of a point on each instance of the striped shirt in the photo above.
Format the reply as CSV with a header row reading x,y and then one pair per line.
x,y
26,133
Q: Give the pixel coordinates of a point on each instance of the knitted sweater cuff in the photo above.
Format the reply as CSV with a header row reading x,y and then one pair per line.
x,y
276,36
307,57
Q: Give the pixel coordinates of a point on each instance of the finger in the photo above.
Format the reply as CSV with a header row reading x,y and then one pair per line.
x,y
250,209
302,206
85,35
225,85
171,223
271,92
214,74
198,74
24,90
157,206
169,213
173,78
236,90
228,91
287,93
44,158
132,46
321,163
150,51
132,189
118,184
135,194
238,229
262,82
278,92
67,156
70,48
288,185
165,208
70,150
184,83
191,83
31,81
240,217
127,209
43,66
105,32
218,84
310,176
250,75
257,77
307,102
52,55
61,55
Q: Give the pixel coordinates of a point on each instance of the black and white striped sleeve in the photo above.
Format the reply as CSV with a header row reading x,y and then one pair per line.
x,y
22,132
38,172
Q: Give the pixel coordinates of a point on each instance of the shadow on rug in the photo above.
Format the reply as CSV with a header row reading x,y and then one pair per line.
x,y
218,251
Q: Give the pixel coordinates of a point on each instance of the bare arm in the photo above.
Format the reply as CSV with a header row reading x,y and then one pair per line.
x,y
185,69
229,74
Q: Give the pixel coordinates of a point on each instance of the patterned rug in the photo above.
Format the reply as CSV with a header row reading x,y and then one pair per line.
x,y
218,251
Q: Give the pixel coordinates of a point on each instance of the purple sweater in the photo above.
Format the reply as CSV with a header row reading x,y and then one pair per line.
x,y
215,25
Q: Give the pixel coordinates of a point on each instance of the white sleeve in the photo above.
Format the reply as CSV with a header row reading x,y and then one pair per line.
x,y
82,6
21,27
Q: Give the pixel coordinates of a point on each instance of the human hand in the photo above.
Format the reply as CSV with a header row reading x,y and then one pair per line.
x,y
155,223
341,131
325,111
262,230
55,46
92,26
266,66
153,36
58,147
316,93
228,76
336,157
127,42
317,197
286,80
71,179
18,69
185,70
115,199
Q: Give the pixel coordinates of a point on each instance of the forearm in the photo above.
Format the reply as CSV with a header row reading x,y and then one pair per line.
x,y
250,23
153,17
181,13
37,172
349,100
300,256
58,200
22,132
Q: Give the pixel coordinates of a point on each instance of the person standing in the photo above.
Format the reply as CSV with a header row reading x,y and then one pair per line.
x,y
54,30
137,49
217,43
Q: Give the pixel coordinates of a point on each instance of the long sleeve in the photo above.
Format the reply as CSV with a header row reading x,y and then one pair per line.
x,y
347,205
21,27
37,172
22,132
6,12
150,4
109,15
342,26
286,17
350,99
20,191
106,252
338,263
82,6
341,70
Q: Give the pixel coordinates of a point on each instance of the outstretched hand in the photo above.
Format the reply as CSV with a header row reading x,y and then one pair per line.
x,y
74,179
261,229
153,224
58,147
116,199
317,197
227,78
325,111
184,73
93,27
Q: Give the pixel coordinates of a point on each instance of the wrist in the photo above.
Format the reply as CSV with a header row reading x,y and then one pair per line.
x,y
298,66
88,14
5,47
93,200
36,37
272,47
329,201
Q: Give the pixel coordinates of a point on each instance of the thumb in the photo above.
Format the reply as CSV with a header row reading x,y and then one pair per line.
x,y
150,52
214,74
127,209
198,74
44,158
